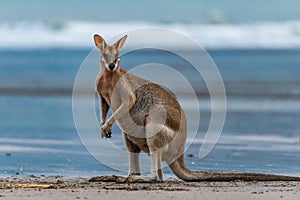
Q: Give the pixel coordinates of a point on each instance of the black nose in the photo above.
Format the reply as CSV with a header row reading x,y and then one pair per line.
x,y
111,66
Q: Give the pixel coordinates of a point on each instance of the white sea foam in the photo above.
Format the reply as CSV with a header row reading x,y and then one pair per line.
x,y
32,149
38,141
214,36
38,146
240,138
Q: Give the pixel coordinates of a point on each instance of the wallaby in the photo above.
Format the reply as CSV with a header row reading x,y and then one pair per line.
x,y
151,120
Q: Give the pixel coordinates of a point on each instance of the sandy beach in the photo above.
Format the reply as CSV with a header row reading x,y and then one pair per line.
x,y
57,187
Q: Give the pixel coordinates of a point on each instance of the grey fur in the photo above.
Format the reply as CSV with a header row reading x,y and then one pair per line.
x,y
151,120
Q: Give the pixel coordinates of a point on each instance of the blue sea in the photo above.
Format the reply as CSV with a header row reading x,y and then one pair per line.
x,y
256,49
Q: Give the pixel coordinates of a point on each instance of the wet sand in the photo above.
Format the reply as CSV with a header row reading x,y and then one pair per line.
x,y
57,187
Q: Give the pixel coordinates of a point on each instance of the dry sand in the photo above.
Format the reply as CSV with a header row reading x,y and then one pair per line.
x,y
57,187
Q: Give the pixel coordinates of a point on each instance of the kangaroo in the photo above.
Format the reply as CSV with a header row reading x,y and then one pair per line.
x,y
151,120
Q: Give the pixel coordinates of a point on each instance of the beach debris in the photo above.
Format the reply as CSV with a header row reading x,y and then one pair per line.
x,y
122,179
107,178
33,176
59,181
29,185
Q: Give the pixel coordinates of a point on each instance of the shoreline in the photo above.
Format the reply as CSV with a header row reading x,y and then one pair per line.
x,y
50,187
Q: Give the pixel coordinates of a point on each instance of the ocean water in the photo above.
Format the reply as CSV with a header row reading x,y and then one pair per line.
x,y
214,24
261,131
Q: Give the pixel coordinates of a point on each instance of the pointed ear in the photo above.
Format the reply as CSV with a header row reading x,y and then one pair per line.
x,y
99,42
119,44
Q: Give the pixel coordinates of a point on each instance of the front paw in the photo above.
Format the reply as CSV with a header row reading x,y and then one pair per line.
x,y
106,131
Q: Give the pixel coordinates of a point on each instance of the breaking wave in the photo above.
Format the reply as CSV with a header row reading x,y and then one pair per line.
x,y
78,34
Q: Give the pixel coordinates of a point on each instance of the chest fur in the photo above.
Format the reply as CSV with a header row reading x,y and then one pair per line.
x,y
105,86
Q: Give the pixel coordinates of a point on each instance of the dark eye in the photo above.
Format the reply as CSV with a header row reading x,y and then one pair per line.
x,y
116,56
105,56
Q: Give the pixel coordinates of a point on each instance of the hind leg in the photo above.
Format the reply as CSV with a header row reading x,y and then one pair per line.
x,y
134,163
134,157
156,171
156,167
156,143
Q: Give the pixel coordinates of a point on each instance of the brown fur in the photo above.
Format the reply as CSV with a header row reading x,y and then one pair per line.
x,y
159,131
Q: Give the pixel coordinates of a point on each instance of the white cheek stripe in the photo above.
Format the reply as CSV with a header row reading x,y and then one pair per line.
x,y
105,64
117,63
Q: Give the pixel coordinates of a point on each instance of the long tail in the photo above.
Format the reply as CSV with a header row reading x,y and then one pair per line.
x,y
181,171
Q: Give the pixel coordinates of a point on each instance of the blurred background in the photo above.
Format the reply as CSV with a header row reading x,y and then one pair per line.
x,y
256,47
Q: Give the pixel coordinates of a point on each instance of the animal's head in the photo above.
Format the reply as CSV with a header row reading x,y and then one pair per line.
x,y
109,54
